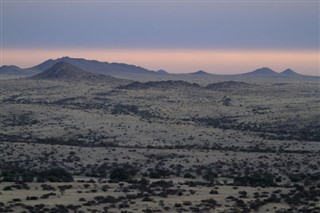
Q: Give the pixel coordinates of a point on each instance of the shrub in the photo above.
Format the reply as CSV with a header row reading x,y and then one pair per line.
x,y
254,180
189,175
159,173
209,175
53,175
122,173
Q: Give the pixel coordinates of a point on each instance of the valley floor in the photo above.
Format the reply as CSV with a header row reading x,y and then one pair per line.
x,y
172,146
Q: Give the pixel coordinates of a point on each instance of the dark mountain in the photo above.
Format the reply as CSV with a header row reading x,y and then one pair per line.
x,y
162,72
11,70
15,70
160,85
267,72
44,65
264,71
94,66
200,72
289,72
64,71
227,85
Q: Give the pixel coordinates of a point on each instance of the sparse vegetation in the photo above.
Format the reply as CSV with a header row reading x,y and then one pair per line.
x,y
20,174
177,146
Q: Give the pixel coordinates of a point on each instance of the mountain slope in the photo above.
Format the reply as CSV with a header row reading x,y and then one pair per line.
x,y
15,70
162,72
289,72
94,66
200,73
64,71
11,70
264,71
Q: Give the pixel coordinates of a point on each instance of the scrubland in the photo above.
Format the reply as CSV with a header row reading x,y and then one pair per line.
x,y
244,145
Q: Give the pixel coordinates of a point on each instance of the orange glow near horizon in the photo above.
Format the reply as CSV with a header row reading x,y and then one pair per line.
x,y
179,61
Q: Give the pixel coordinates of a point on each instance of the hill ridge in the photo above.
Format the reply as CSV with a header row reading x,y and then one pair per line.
x,y
66,71
263,71
124,70
169,84
200,72
289,72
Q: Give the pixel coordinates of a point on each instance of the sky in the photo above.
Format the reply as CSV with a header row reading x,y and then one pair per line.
x,y
179,36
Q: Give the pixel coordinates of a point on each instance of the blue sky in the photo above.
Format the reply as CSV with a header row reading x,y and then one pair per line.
x,y
210,26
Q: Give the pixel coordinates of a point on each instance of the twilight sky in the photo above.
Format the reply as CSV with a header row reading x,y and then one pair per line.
x,y
179,36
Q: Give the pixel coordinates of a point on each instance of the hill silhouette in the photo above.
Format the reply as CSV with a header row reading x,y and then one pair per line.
x,y
289,72
95,66
15,70
162,72
11,70
65,71
264,71
123,70
200,72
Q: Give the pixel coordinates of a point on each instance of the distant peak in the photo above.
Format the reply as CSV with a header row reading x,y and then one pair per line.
x,y
10,66
162,72
200,72
63,70
262,71
12,70
288,72
265,69
64,58
288,69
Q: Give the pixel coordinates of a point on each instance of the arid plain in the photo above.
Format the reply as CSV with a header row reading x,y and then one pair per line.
x,y
162,143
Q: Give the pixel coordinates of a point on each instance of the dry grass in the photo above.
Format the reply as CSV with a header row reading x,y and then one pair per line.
x,y
270,127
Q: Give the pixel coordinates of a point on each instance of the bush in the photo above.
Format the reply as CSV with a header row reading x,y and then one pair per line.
x,y
121,109
189,175
123,173
15,173
159,173
52,175
55,175
296,177
254,180
209,175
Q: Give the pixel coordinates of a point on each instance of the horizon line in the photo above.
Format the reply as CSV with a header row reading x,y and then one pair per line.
x,y
205,72
221,62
